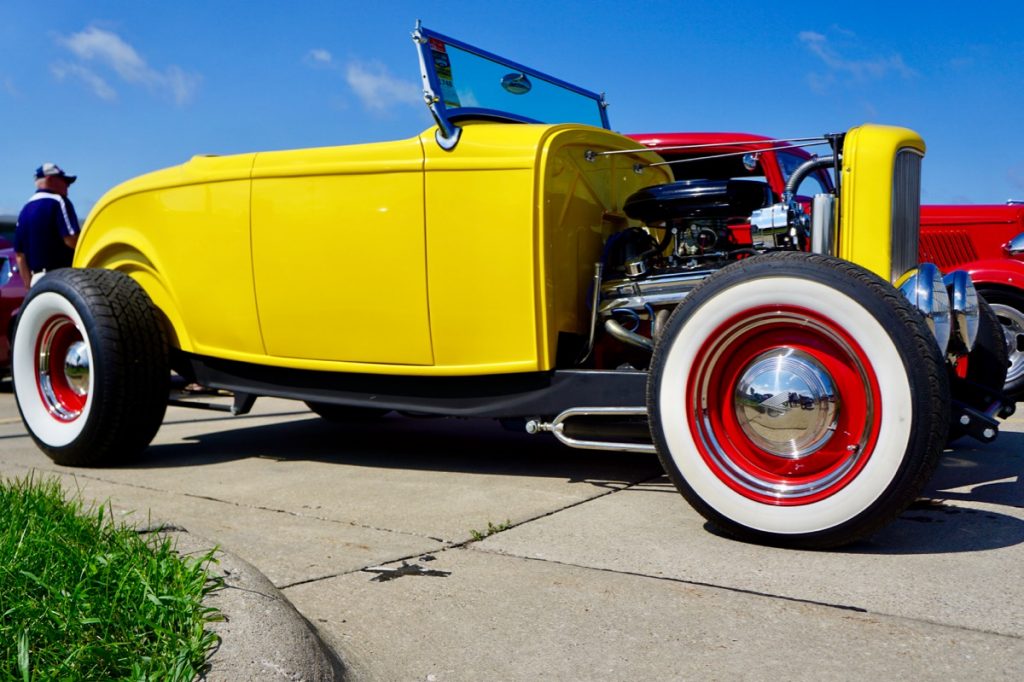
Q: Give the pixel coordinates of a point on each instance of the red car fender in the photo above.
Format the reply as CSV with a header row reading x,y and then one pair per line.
x,y
998,271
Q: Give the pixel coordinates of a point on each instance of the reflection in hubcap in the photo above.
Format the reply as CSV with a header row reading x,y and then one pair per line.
x,y
786,403
76,367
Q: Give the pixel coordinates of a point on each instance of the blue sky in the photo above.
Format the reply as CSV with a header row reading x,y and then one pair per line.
x,y
110,90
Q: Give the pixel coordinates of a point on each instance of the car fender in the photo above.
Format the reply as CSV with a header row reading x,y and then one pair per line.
x,y
996,271
127,250
182,233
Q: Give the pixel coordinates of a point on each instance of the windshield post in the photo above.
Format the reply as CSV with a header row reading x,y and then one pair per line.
x,y
447,132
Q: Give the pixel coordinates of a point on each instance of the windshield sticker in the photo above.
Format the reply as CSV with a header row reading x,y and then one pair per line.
x,y
443,69
516,83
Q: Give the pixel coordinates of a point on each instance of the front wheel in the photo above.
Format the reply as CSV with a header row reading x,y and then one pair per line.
x,y
1008,306
798,400
90,367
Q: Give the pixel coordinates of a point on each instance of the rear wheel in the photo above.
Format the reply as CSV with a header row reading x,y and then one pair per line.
x,y
90,367
798,400
1009,309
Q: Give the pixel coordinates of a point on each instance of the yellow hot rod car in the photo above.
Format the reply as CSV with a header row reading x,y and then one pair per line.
x,y
520,261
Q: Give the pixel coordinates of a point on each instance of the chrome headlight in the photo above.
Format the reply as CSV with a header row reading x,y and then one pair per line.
x,y
926,290
966,312
1015,247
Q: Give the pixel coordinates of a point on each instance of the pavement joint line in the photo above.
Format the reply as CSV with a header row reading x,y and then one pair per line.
x,y
361,569
308,516
451,544
354,524
741,590
226,586
572,505
10,420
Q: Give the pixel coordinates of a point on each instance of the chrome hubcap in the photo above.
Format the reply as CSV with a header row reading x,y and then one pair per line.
x,y
786,403
76,368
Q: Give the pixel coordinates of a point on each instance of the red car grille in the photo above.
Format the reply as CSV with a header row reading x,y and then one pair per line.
x,y
946,248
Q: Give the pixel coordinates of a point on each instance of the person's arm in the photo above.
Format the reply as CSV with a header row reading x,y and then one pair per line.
x,y
26,274
70,230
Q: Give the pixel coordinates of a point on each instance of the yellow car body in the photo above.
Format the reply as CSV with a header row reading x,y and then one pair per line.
x,y
394,257
521,261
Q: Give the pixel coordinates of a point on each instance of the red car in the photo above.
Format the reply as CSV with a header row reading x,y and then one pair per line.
x,y
12,291
986,241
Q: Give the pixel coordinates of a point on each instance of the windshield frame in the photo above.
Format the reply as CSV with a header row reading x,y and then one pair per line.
x,y
446,117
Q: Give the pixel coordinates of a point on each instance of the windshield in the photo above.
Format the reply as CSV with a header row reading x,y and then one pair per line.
x,y
467,82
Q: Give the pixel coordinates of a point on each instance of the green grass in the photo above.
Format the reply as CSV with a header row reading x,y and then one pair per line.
x,y
492,528
82,598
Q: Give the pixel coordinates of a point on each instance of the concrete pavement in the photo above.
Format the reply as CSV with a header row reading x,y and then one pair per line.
x,y
604,570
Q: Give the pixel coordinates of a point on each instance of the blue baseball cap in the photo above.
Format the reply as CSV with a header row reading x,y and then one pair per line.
x,y
53,169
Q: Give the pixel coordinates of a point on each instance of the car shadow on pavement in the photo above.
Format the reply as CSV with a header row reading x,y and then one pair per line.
x,y
479,446
958,509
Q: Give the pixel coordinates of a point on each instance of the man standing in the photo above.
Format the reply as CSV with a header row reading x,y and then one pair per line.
x,y
47,229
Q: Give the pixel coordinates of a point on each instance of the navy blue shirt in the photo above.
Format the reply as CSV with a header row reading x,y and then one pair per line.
x,y
42,225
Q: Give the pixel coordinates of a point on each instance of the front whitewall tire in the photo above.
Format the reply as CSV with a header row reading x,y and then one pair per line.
x,y
896,413
889,384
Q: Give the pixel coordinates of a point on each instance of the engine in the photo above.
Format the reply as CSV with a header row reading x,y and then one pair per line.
x,y
691,229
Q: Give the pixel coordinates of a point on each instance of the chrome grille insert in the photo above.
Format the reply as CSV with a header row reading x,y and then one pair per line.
x,y
906,211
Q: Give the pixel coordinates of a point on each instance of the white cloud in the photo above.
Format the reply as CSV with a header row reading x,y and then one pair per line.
x,y
94,82
100,48
319,57
859,69
106,47
181,84
379,90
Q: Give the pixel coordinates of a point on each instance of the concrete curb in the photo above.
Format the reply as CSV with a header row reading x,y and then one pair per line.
x,y
262,636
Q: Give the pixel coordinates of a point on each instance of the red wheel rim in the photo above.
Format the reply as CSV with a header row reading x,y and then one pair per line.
x,y
728,446
62,368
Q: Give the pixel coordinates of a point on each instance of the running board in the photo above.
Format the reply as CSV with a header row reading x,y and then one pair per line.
x,y
557,427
